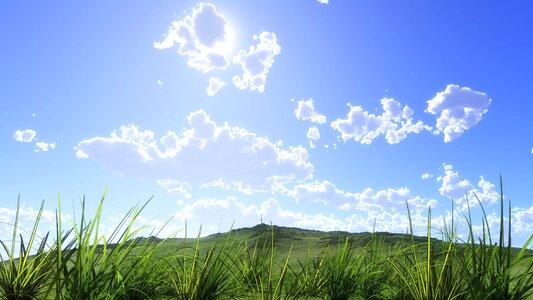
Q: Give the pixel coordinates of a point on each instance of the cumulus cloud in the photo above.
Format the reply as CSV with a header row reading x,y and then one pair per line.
x,y
395,123
323,1
215,84
306,111
454,186
25,136
202,154
256,62
203,36
458,109
43,146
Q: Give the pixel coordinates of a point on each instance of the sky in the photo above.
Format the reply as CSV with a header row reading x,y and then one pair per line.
x,y
327,116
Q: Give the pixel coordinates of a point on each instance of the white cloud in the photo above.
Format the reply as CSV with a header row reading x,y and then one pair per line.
x,y
202,154
531,150
256,62
455,187
313,133
27,216
215,84
306,111
323,1
223,212
325,192
523,220
459,109
43,146
426,175
204,36
25,136
395,123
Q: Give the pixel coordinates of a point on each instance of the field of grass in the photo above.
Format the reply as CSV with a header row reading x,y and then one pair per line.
x,y
263,262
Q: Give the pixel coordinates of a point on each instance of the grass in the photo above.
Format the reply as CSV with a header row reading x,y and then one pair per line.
x,y
264,262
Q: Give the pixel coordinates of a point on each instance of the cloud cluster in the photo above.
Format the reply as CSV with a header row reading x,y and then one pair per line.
x,y
455,187
458,109
325,192
224,212
44,146
306,112
256,62
215,84
395,123
28,136
25,136
205,153
203,36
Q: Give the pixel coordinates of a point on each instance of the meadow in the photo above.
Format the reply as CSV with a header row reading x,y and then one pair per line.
x,y
263,262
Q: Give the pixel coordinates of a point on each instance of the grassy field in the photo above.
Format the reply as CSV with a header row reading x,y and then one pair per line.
x,y
263,262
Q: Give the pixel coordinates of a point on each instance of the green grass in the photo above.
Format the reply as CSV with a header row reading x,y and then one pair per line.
x,y
263,262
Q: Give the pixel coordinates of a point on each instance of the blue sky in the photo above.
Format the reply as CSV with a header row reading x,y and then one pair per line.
x,y
326,116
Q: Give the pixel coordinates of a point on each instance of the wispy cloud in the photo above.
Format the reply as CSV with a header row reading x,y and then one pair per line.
x,y
427,175
215,84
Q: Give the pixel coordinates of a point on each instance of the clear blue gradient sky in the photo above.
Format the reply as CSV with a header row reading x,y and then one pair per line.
x,y
326,116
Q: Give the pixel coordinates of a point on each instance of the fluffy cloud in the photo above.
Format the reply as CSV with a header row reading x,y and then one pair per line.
x,y
204,153
455,187
256,62
43,146
395,123
459,109
204,36
323,1
25,136
306,111
313,135
215,84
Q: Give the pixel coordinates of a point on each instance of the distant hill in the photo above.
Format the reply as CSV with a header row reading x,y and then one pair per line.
x,y
301,240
